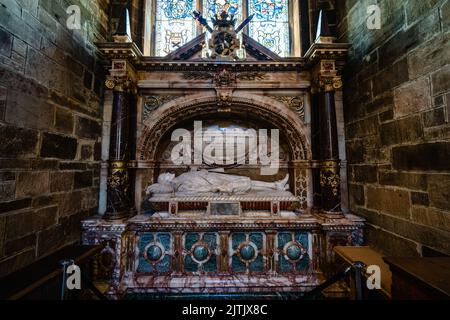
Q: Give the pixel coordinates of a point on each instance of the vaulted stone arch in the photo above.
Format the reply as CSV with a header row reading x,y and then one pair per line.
x,y
260,107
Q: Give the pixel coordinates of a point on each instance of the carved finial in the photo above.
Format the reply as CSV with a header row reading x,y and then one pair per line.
x,y
323,34
122,25
122,32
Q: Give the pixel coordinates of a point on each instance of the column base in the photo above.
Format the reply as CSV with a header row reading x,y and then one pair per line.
x,y
119,215
330,214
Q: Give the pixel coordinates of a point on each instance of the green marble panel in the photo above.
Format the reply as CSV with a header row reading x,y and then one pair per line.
x,y
190,240
154,263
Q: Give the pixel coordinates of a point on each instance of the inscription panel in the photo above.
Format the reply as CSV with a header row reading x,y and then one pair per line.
x,y
225,208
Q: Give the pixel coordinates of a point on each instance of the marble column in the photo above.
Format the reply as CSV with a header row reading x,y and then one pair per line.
x,y
328,59
330,181
119,200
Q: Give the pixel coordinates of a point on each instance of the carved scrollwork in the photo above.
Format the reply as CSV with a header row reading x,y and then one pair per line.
x,y
196,75
330,83
121,84
224,78
118,178
154,102
301,187
252,76
329,176
295,103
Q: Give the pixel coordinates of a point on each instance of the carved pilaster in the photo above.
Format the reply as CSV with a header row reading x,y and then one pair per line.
x,y
316,250
223,259
178,252
300,183
271,263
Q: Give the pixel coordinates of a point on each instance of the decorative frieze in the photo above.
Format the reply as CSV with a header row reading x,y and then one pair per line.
x,y
252,76
243,76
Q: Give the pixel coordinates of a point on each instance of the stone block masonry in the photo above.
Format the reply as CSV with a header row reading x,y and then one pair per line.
x,y
397,107
50,125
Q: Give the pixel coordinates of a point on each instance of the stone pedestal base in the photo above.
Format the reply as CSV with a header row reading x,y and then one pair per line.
x,y
210,254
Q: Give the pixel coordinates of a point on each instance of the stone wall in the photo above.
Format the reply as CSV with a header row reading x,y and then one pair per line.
x,y
397,123
50,125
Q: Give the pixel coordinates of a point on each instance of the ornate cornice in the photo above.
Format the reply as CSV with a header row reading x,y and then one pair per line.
x,y
167,224
300,223
130,52
98,224
327,51
121,51
155,64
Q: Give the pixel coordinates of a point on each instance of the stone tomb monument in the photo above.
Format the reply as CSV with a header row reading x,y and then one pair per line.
x,y
169,228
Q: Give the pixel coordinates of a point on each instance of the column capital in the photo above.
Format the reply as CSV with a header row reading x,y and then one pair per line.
x,y
329,83
326,76
121,84
122,77
327,61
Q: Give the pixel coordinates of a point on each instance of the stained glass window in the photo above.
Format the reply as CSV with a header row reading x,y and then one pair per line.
x,y
174,25
213,7
270,26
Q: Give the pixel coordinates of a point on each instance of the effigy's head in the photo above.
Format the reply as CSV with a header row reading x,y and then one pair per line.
x,y
166,178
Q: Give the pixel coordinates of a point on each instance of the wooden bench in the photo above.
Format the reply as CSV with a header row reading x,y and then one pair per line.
x,y
29,282
420,278
368,256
